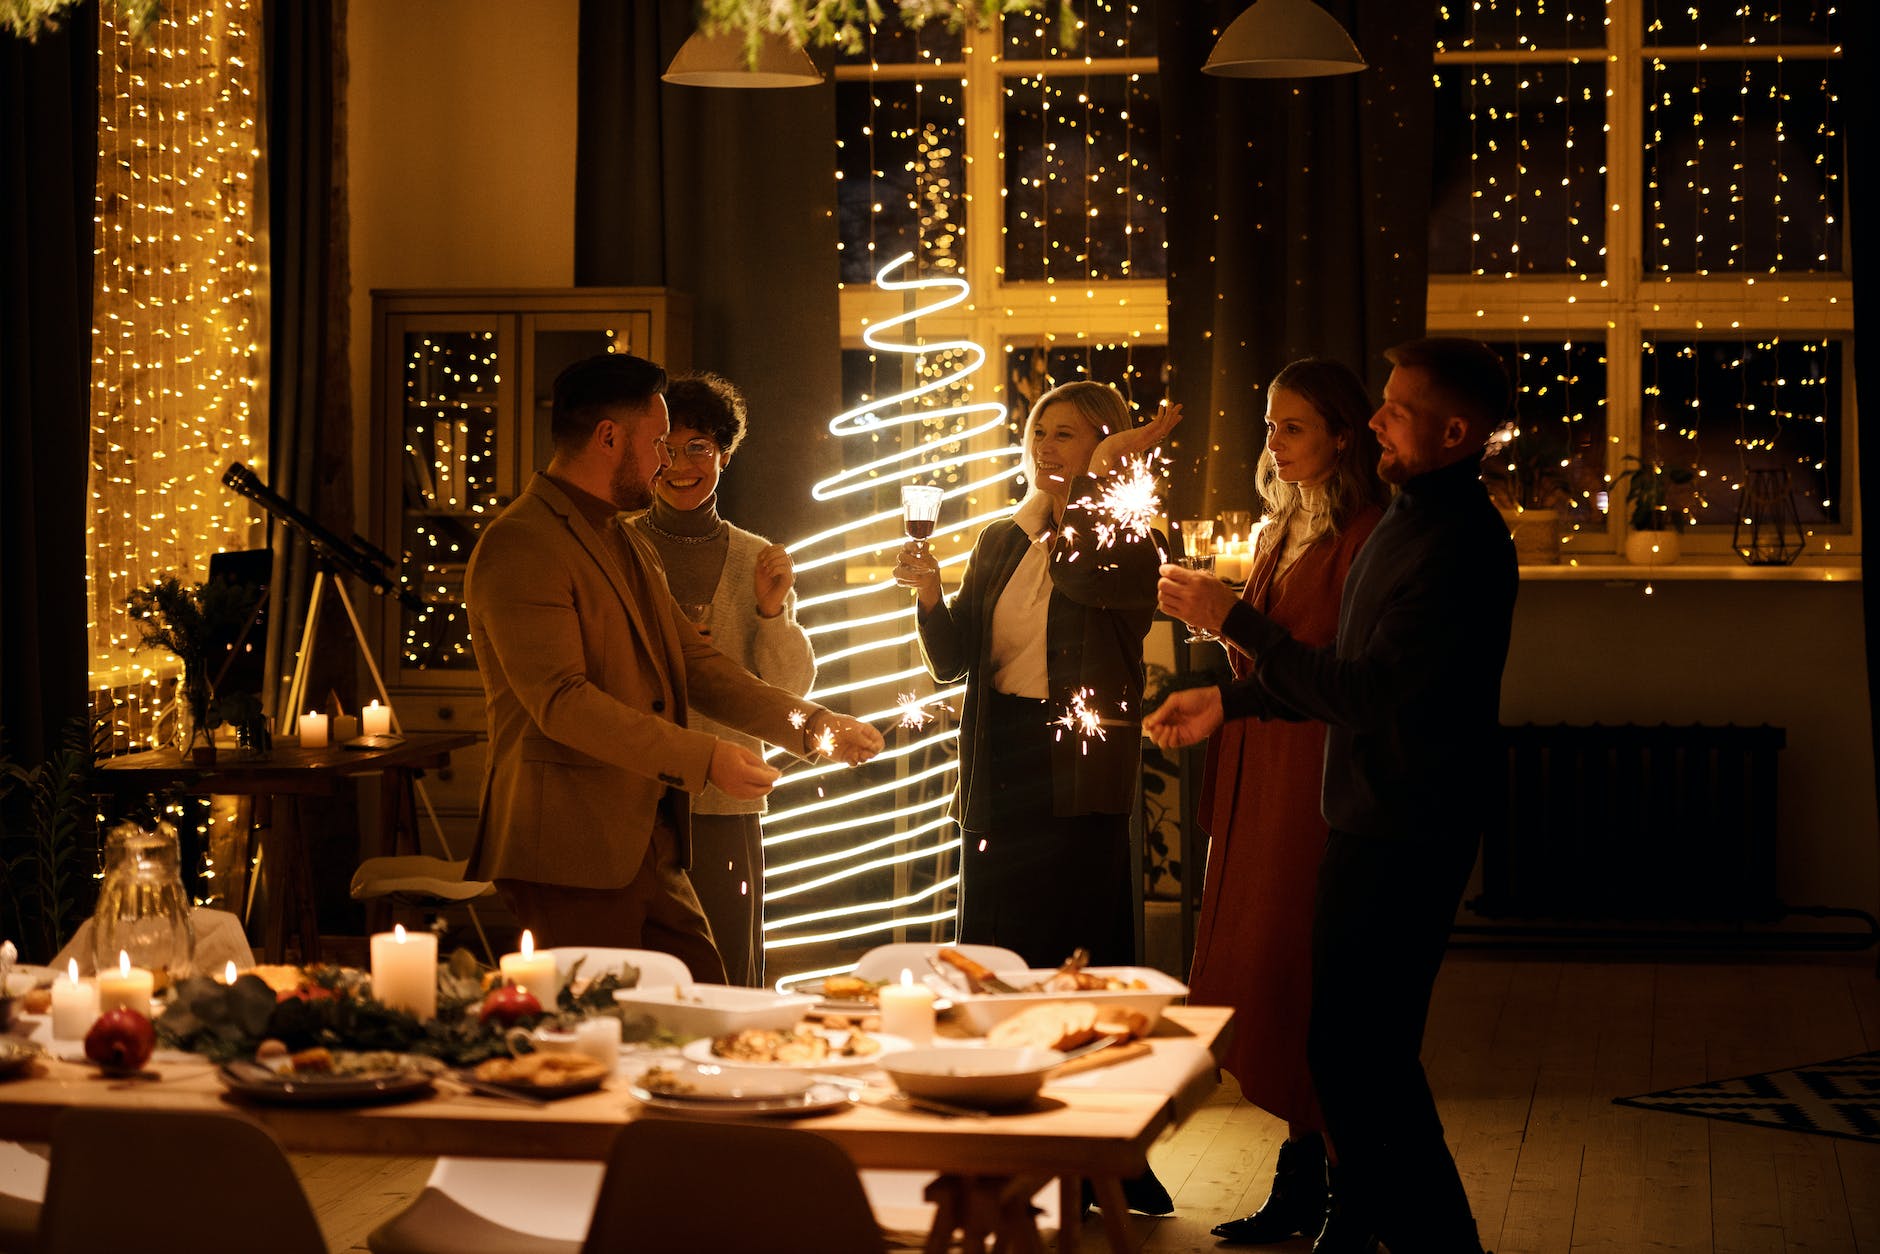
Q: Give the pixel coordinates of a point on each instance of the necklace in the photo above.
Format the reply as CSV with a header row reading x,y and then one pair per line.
x,y
646,520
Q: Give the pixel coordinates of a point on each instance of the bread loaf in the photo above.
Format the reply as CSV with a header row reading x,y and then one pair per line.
x,y
1052,1025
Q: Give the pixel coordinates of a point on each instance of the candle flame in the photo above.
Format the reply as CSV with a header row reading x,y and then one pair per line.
x,y
124,963
71,970
528,942
228,972
398,933
907,978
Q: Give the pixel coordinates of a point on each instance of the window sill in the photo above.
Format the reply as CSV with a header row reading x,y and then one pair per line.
x,y
1703,567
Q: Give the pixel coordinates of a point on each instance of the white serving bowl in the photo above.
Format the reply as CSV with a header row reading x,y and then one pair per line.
x,y
982,1010
715,1009
984,1078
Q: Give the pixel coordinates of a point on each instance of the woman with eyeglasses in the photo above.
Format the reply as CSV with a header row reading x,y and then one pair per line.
x,y
736,587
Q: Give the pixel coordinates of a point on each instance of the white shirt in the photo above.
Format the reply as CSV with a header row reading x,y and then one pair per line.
x,y
1018,618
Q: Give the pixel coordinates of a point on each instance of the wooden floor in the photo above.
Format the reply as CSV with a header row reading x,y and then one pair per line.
x,y
1525,1058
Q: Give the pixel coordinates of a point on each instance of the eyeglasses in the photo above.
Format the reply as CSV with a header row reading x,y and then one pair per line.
x,y
692,450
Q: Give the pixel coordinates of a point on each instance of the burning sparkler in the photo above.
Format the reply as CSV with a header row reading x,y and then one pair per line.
x,y
798,718
914,712
1131,502
1080,718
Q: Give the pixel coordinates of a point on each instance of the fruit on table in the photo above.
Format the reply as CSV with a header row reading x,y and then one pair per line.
x,y
508,1004
121,1040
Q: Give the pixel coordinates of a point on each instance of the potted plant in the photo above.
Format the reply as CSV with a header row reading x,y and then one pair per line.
x,y
1525,469
189,621
1654,523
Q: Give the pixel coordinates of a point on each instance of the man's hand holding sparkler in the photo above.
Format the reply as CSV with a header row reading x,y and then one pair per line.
x,y
1196,597
850,740
1118,445
1184,718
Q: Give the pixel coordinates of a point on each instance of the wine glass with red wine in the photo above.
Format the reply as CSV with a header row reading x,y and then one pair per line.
x,y
920,511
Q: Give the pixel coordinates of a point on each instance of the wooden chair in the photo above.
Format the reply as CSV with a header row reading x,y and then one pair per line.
x,y
674,1185
422,880
150,1179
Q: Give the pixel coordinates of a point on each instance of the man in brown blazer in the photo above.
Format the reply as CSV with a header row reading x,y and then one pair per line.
x,y
588,670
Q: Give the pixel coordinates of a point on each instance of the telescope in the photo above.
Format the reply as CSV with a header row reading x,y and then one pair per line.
x,y
356,557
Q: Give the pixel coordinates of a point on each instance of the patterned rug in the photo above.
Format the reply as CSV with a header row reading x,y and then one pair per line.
x,y
1840,1097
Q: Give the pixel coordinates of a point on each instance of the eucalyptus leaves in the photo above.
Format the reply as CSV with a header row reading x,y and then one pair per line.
x,y
29,18
845,23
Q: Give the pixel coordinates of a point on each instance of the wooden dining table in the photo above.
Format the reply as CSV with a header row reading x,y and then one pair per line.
x,y
1096,1126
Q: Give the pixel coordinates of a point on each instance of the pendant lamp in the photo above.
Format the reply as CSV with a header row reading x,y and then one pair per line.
x,y
719,61
1283,39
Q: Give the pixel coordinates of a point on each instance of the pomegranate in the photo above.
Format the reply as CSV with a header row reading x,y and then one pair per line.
x,y
121,1040
508,1004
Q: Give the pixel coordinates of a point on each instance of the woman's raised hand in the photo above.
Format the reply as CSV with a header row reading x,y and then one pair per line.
x,y
772,580
1134,442
919,569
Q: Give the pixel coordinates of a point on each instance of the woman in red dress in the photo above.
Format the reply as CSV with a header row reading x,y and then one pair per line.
x,y
1260,804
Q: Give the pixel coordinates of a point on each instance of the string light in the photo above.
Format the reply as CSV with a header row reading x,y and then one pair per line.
x,y
176,328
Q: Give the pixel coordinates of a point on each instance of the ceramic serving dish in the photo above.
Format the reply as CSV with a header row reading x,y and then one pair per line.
x,y
714,1009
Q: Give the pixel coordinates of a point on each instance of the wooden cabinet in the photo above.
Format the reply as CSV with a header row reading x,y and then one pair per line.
x,y
462,382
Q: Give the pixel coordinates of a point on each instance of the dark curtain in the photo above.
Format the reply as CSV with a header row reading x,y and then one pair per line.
x,y
309,380
727,195
1298,225
1864,23
48,158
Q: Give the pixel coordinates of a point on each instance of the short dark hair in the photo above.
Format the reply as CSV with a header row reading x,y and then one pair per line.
x,y
1466,377
590,387
709,403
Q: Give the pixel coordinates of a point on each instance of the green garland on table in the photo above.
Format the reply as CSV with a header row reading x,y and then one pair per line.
x,y
334,1007
27,19
845,23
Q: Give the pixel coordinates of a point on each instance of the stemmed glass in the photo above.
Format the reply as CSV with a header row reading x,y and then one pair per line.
x,y
920,511
1197,540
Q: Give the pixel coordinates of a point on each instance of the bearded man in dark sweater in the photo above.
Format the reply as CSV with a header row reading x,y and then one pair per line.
x,y
1410,694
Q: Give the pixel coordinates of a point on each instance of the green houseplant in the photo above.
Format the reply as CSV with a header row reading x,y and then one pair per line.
x,y
1524,467
1653,520
189,620
49,842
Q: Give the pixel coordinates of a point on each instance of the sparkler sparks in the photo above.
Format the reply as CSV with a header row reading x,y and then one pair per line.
x,y
914,712
1080,718
826,742
1130,502
798,718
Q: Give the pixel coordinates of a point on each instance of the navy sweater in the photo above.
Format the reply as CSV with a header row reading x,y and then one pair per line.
x,y
1410,693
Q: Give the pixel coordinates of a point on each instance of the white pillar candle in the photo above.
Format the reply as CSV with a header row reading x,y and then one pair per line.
x,y
74,1005
907,1010
404,971
127,987
312,730
533,971
376,719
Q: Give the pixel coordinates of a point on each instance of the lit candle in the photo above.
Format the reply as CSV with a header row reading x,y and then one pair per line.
x,y
229,972
404,971
74,1005
127,987
376,719
312,730
533,971
907,1010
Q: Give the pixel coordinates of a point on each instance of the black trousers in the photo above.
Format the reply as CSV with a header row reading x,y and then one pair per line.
x,y
1382,919
1034,882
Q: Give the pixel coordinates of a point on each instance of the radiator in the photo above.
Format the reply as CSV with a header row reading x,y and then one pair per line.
x,y
1637,824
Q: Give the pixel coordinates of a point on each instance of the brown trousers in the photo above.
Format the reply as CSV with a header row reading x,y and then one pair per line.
x,y
657,910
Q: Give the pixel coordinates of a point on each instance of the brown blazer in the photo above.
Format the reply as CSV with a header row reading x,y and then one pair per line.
x,y
588,672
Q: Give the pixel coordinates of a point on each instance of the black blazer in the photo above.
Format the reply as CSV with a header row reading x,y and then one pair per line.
x,y
1102,602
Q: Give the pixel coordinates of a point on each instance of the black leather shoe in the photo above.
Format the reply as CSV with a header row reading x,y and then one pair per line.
x,y
1146,1194
1344,1232
1295,1206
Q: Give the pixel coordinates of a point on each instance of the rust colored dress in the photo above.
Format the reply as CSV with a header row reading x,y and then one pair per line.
x,y
1260,808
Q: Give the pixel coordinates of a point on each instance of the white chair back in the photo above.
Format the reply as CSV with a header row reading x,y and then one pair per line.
x,y
656,970
886,962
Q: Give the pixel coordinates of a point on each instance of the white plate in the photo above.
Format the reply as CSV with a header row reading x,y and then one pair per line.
x,y
982,1010
708,1082
700,1051
714,1009
817,1099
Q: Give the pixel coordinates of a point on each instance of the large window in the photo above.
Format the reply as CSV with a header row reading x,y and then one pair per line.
x,y
1643,208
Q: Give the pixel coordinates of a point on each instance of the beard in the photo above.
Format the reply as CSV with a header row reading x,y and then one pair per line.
x,y
629,488
1391,470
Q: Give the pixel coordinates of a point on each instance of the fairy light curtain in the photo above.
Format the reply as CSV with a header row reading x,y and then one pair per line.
x,y
1659,255
1297,227
178,324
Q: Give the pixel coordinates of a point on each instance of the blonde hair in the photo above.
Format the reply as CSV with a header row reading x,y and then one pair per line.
x,y
1339,399
1098,404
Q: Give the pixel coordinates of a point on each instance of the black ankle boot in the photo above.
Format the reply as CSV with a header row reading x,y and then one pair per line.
x,y
1296,1204
1345,1232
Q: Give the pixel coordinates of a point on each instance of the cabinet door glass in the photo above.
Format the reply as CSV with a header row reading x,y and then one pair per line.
x,y
557,342
452,485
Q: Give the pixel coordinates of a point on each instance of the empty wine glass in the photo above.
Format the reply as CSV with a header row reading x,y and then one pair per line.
x,y
920,511
1197,541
